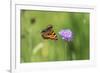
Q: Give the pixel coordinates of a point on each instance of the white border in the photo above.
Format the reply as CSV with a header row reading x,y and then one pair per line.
x,y
16,66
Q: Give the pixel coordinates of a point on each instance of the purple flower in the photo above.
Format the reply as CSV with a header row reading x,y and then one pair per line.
x,y
66,34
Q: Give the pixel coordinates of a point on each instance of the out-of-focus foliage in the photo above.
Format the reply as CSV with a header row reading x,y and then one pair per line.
x,y
35,49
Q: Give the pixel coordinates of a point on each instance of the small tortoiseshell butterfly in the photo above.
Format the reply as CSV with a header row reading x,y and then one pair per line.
x,y
48,33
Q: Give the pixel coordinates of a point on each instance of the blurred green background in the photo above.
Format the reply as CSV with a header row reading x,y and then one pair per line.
x,y
35,49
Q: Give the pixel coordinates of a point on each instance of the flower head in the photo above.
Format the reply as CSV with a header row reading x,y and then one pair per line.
x,y
66,34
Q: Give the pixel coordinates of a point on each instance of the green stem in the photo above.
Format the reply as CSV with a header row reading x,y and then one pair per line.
x,y
70,51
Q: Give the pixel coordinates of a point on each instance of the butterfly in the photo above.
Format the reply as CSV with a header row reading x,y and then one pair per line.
x,y
48,33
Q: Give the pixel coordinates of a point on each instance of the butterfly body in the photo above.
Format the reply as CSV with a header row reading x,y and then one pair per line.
x,y
48,33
